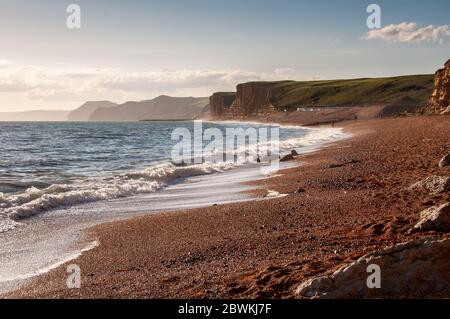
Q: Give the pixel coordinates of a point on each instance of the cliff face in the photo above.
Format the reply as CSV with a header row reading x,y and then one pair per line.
x,y
440,99
220,103
253,99
250,99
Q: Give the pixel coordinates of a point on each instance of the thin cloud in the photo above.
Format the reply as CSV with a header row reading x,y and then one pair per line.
x,y
284,71
5,63
410,32
40,83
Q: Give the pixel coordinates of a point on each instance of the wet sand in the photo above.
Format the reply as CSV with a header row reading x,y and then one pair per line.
x,y
349,199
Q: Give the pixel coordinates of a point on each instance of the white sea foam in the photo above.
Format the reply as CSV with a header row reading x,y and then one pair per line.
x,y
34,201
314,137
46,269
7,223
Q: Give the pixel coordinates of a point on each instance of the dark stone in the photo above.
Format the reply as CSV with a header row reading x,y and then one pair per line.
x,y
287,158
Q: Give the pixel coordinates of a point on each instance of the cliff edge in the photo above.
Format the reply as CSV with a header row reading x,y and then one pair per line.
x,y
439,102
250,99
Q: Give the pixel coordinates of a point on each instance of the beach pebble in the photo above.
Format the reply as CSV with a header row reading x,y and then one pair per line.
x,y
445,161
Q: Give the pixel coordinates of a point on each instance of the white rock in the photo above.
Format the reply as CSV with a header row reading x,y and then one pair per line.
x,y
434,184
435,218
417,268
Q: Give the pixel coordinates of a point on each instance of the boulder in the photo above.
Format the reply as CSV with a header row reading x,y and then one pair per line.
x,y
434,218
417,268
434,184
445,161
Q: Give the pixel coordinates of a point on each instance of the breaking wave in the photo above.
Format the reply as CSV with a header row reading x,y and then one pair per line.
x,y
35,201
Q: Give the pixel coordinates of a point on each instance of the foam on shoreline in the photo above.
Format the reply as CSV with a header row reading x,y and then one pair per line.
x,y
34,201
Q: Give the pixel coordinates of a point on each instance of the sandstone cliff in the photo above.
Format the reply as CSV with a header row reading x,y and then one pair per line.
x,y
250,99
440,99
254,98
220,102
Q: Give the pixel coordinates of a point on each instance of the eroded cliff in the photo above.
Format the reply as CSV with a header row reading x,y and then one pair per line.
x,y
220,103
440,99
250,99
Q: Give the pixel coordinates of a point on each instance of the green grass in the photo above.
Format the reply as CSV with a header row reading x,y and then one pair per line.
x,y
411,89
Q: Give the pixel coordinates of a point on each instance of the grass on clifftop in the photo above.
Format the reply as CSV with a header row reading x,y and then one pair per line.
x,y
411,89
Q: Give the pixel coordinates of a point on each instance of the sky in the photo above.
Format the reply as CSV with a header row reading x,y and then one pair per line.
x,y
137,50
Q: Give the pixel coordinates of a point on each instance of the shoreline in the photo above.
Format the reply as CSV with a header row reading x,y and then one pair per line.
x,y
332,215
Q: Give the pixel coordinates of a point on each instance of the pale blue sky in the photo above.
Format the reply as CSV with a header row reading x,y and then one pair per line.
x,y
139,49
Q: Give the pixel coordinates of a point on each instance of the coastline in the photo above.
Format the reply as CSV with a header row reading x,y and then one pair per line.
x,y
345,200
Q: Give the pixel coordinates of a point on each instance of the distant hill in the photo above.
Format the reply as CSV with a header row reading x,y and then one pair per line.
x,y
37,116
84,112
161,108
